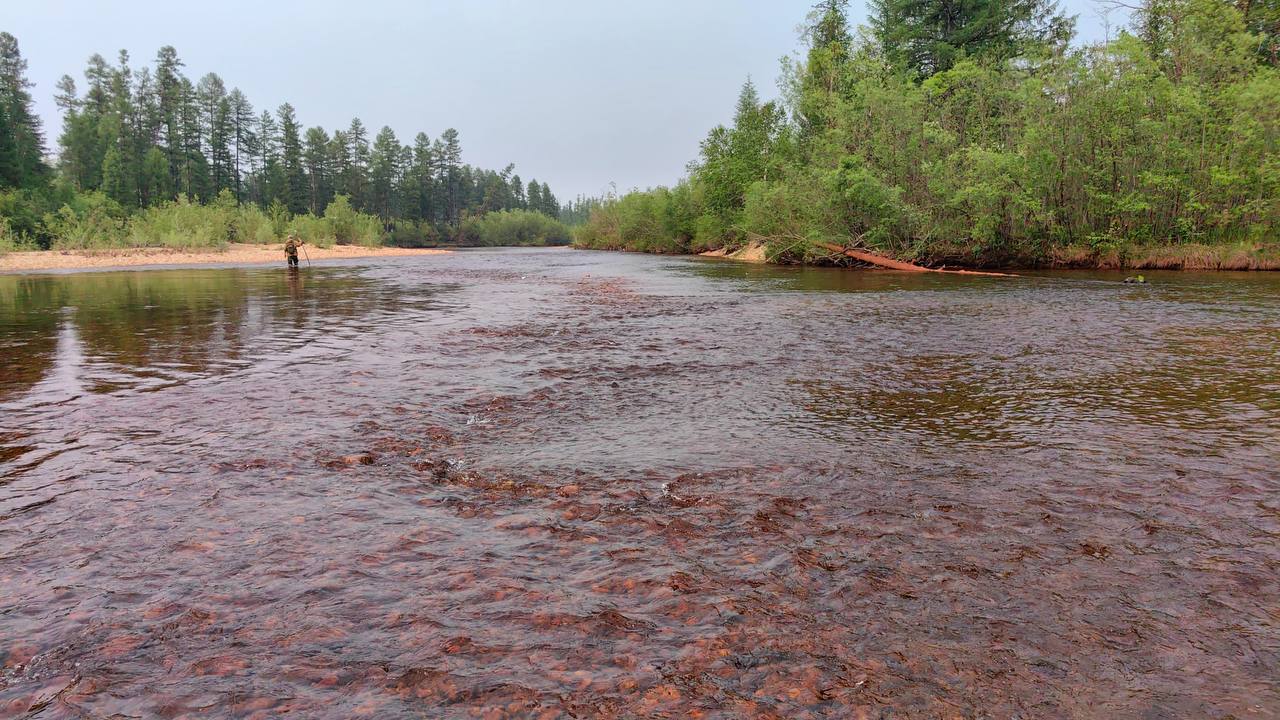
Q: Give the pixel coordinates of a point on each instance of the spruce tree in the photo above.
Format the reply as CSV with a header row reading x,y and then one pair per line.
x,y
21,140
928,36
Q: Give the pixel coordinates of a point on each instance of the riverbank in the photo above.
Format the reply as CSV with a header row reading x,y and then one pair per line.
x,y
235,254
1241,256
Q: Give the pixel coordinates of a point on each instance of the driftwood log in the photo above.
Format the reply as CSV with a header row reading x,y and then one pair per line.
x,y
884,262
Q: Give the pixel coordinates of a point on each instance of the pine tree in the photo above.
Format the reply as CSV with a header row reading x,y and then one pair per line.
x,y
194,169
21,140
533,195
118,130
295,188
357,178
269,178
79,137
383,170
242,137
315,156
423,179
550,205
215,117
450,164
517,192
169,101
929,36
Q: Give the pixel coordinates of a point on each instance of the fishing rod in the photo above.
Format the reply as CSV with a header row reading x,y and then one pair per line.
x,y
305,255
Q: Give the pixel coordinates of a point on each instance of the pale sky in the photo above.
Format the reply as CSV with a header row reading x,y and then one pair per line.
x,y
577,93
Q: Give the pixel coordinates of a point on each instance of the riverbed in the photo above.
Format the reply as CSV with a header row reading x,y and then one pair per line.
x,y
554,483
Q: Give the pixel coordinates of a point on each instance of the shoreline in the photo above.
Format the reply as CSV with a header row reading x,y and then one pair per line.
x,y
1192,258
236,254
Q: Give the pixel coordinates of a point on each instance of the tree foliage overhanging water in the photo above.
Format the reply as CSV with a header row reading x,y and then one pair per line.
x,y
984,137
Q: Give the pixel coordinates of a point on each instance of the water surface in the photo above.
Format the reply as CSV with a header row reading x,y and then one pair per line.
x,y
561,483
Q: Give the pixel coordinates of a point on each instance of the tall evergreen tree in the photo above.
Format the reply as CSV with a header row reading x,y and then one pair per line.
x,y
315,156
78,160
269,176
169,101
21,140
295,178
356,180
216,120
450,157
928,36
550,205
422,179
533,195
383,161
194,178
241,136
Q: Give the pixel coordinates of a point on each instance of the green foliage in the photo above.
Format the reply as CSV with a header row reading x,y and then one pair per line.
x,y
929,36
141,138
514,228
1012,149
251,225
407,233
182,224
660,220
21,140
350,227
22,213
13,241
90,221
280,217
313,230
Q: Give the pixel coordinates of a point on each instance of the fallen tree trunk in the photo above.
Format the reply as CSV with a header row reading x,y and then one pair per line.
x,y
892,264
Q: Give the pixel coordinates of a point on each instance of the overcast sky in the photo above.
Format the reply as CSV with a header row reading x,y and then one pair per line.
x,y
578,93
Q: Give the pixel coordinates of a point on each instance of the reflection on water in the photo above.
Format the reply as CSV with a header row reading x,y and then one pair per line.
x,y
556,483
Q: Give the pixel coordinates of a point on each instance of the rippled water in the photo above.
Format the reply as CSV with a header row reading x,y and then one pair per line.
x,y
571,484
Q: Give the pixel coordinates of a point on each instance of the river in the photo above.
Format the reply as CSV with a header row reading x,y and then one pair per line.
x,y
556,483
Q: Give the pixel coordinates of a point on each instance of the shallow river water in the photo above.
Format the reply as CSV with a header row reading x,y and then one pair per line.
x,y
572,484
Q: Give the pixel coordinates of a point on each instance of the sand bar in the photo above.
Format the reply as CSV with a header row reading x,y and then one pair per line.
x,y
235,254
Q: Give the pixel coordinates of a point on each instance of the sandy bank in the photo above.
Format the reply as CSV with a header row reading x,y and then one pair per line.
x,y
753,253
236,254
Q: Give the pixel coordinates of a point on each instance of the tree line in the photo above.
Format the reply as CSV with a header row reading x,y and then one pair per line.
x,y
150,136
977,133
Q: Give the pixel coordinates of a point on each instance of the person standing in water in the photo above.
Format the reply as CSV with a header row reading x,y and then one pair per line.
x,y
291,246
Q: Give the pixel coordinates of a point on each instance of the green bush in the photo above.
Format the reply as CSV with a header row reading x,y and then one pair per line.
x,y
252,225
182,224
659,220
90,221
351,227
22,211
407,233
512,228
314,230
12,241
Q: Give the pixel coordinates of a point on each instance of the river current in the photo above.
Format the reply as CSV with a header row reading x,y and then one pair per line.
x,y
556,483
